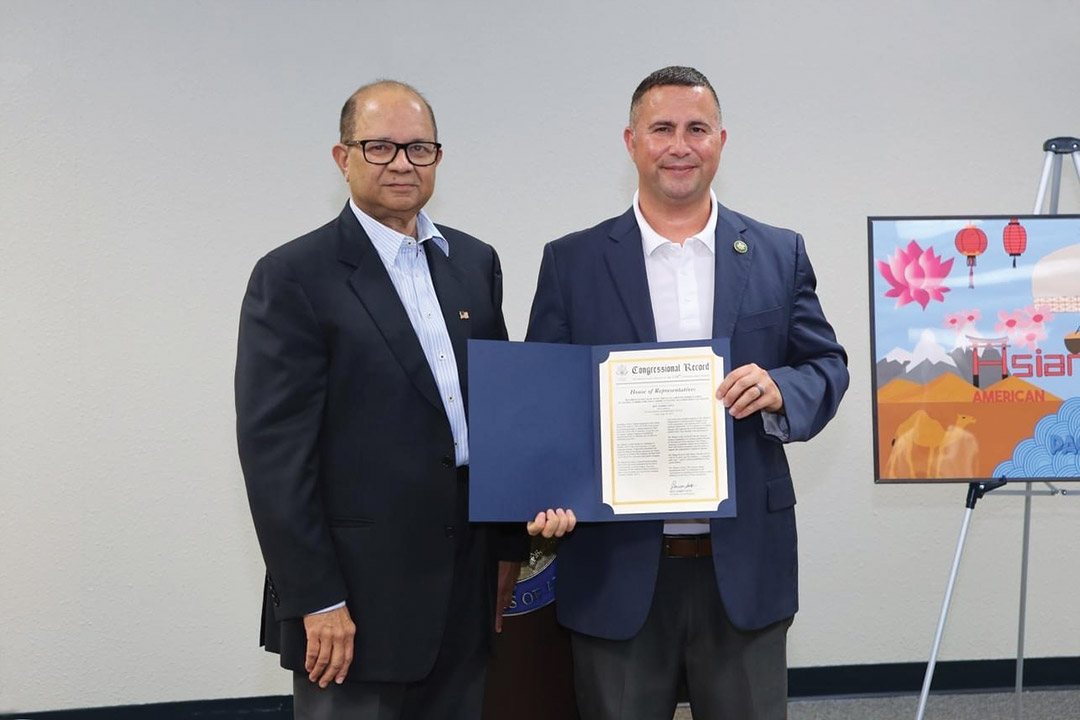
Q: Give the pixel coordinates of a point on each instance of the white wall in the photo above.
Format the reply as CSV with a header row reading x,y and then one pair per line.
x,y
150,152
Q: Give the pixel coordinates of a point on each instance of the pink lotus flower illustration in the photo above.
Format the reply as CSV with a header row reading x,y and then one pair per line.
x,y
970,316
915,275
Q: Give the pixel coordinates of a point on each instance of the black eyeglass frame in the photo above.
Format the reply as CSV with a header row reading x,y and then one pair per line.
x,y
398,147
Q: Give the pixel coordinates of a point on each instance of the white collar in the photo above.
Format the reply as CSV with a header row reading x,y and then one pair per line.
x,y
388,241
650,239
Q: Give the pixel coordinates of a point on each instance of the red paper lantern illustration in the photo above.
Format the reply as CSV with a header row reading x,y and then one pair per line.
x,y
971,242
1014,238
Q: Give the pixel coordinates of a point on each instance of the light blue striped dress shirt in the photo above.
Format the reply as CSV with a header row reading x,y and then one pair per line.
x,y
405,261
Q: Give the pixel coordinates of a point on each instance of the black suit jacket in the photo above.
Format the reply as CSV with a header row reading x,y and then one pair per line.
x,y
345,445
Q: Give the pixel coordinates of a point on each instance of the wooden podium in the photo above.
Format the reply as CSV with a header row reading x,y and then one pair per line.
x,y
531,676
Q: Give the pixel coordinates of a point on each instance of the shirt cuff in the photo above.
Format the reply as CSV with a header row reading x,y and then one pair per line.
x,y
776,425
327,609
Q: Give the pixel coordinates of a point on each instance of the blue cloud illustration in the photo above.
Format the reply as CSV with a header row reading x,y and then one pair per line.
x,y
1053,452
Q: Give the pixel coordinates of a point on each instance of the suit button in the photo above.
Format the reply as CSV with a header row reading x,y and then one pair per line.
x,y
448,462
449,531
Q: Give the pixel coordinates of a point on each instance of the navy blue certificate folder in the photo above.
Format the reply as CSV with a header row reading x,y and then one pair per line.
x,y
534,431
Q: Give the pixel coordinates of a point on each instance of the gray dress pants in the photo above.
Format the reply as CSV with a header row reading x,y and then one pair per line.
x,y
687,637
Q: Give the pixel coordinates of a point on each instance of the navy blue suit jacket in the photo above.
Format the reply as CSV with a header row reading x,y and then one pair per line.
x,y
593,291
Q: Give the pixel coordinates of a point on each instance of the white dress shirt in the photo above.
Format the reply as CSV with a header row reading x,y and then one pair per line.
x,y
681,281
681,276
405,262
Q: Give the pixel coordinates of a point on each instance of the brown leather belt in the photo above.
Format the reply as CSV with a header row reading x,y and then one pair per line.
x,y
688,546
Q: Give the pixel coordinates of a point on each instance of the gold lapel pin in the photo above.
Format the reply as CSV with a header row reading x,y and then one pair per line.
x,y
463,314
741,247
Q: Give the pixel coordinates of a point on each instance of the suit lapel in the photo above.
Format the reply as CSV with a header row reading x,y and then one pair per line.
x,y
453,297
732,271
626,263
372,285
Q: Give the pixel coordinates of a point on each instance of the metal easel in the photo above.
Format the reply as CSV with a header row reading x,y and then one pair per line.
x,y
1055,149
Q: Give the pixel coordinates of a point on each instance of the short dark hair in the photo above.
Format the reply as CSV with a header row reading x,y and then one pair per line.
x,y
348,111
673,75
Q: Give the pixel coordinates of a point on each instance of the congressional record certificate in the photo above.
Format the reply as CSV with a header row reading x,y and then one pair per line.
x,y
662,432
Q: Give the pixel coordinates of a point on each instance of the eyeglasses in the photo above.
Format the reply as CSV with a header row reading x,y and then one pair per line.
x,y
383,152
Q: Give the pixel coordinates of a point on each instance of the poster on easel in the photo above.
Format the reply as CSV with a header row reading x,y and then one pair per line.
x,y
975,342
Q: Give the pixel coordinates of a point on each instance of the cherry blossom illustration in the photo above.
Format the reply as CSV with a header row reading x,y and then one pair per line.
x,y
970,316
1025,327
962,322
1029,337
954,321
1011,323
1039,315
916,275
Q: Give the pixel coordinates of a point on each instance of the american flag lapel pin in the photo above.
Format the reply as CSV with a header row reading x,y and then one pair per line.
x,y
463,314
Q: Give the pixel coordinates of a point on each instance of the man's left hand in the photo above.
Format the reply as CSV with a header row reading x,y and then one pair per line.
x,y
508,575
748,389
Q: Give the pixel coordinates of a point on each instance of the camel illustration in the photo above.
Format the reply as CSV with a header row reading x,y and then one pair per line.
x,y
953,450
959,451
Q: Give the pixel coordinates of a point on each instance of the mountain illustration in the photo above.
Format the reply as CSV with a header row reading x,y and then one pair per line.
x,y
888,370
929,360
898,389
950,388
929,350
962,358
946,388
898,355
926,371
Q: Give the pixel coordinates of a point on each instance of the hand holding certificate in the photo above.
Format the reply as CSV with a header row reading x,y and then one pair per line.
x,y
614,432
552,523
748,389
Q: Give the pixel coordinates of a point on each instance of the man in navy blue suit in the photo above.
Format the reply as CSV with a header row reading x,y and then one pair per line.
x,y
707,603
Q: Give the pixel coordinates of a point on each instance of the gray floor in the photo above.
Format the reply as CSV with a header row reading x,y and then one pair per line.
x,y
1038,705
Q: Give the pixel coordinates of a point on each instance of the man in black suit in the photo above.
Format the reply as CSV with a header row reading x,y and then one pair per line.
x,y
350,400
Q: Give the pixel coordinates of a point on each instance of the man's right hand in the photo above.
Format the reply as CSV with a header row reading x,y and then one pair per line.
x,y
329,646
553,523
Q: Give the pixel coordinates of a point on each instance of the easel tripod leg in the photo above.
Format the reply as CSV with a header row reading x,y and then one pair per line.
x,y
1040,195
925,694
1023,606
975,492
